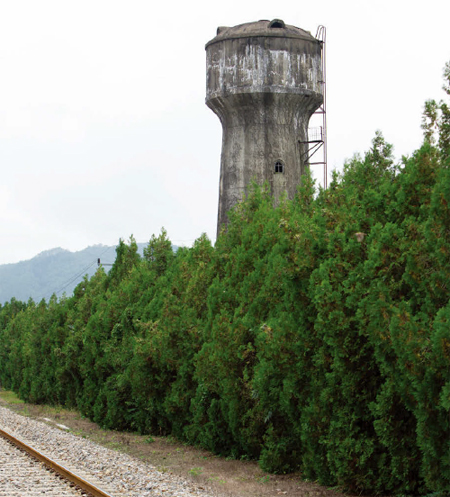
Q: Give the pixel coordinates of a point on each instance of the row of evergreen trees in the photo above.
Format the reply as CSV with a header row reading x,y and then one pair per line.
x,y
312,337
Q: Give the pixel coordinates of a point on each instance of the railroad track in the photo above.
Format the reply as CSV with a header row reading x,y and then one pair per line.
x,y
26,472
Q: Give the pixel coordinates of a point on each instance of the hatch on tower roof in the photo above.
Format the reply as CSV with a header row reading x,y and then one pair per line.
x,y
275,28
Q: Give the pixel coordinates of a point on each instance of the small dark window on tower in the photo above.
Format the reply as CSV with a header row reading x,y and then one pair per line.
x,y
279,167
277,23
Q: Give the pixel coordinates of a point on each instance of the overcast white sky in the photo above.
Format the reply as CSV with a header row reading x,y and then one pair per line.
x,y
103,128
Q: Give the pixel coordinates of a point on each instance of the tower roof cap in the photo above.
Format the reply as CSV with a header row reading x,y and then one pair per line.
x,y
275,28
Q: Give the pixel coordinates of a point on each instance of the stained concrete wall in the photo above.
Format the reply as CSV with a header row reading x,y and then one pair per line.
x,y
264,84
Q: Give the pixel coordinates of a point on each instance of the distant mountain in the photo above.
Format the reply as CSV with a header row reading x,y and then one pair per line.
x,y
53,271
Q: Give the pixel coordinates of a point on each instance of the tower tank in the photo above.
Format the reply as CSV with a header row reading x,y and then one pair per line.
x,y
264,81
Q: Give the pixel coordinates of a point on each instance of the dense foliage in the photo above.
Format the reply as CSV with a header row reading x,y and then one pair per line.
x,y
314,336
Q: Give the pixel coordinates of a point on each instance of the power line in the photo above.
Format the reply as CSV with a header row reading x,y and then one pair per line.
x,y
73,278
78,275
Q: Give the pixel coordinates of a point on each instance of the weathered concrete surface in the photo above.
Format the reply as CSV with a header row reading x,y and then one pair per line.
x,y
264,83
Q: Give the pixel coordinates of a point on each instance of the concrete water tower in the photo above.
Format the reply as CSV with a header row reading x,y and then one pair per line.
x,y
264,82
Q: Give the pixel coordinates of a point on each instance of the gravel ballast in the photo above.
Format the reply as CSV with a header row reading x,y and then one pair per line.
x,y
120,474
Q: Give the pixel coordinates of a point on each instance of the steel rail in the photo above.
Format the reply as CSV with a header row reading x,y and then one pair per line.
x,y
57,468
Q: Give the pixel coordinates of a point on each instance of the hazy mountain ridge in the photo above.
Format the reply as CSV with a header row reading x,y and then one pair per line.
x,y
50,252
56,270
